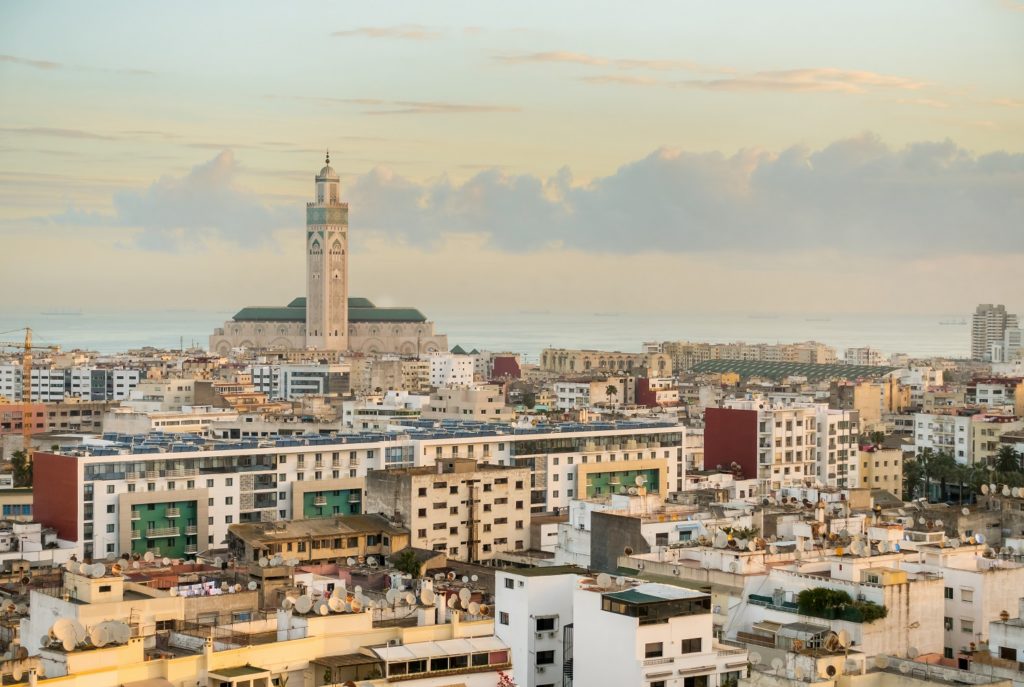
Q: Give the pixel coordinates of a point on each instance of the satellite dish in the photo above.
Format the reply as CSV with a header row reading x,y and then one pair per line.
x,y
350,561
410,598
474,608
148,557
904,667
993,487
336,604
751,546
286,604
97,571
173,591
1006,490
116,569
882,661
358,589
224,586
322,608
356,606
843,638
921,520
427,596
620,581
984,489
465,579
135,565
798,554
372,561
97,636
980,538
474,578
604,580
303,604
1015,492
965,510
391,595
465,595
912,652
263,561
754,658
452,601
938,523
741,543
167,561
777,664
253,586
640,480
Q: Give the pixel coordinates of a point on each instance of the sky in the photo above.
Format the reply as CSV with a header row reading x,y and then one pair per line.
x,y
683,156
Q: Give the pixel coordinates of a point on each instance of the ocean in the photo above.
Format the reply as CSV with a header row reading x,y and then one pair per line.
x,y
529,332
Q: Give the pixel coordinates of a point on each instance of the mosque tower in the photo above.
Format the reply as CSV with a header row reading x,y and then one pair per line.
x,y
327,265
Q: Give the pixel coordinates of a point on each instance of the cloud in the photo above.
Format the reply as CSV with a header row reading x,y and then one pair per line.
x,y
622,79
377,106
569,57
411,32
56,133
1008,102
175,213
38,64
857,196
925,102
817,80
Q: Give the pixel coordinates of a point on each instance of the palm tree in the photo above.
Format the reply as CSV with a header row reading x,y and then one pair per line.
x,y
877,438
913,476
612,391
944,466
1007,459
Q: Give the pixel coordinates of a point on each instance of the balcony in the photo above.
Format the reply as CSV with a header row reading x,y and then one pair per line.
x,y
173,513
136,515
155,532
191,548
136,535
192,530
320,501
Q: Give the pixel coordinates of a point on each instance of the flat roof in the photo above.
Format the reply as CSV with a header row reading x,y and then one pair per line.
x,y
446,647
654,592
334,525
544,571
239,671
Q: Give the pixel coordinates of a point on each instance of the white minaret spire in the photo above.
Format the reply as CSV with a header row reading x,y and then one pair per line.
x,y
327,264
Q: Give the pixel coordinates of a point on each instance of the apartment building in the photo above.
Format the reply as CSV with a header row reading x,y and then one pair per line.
x,y
468,510
988,328
882,469
317,540
289,381
647,634
71,415
570,395
54,384
837,447
450,370
178,495
863,355
482,403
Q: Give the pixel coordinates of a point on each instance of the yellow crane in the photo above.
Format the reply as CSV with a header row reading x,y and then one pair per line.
x,y
26,349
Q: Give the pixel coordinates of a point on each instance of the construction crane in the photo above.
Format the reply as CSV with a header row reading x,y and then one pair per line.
x,y
26,349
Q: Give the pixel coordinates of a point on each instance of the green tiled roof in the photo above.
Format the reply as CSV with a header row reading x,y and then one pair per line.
x,y
359,310
631,596
814,372
458,350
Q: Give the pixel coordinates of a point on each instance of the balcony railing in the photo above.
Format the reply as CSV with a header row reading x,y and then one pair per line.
x,y
191,548
192,529
319,501
136,515
136,535
173,513
162,532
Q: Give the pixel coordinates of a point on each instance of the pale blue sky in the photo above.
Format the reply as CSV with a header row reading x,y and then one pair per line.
x,y
101,100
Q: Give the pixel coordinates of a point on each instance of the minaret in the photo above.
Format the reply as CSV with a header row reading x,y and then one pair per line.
x,y
327,265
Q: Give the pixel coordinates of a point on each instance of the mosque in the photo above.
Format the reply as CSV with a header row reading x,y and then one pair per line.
x,y
327,318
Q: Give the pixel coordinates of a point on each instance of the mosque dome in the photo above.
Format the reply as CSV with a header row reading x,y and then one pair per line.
x,y
327,172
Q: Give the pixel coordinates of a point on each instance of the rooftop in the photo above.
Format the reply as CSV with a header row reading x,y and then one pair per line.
x,y
313,527
814,372
545,571
359,310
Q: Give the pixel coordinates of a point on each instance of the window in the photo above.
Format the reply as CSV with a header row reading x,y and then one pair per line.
x,y
508,583
651,650
503,618
966,625
949,592
691,646
546,658
545,624
110,488
967,595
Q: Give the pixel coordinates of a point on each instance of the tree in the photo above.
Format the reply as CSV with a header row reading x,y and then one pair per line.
x,y
913,478
944,467
877,438
1007,459
529,399
22,469
406,561
612,392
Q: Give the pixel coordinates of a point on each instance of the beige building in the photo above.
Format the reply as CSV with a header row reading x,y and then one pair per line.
x,y
469,510
485,403
882,469
986,434
327,318
577,362
317,540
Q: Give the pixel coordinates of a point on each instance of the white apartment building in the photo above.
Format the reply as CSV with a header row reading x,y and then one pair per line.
x,y
945,432
289,381
1005,636
188,420
647,635
155,395
787,440
919,380
838,450
53,384
975,589
450,370
572,395
480,403
178,497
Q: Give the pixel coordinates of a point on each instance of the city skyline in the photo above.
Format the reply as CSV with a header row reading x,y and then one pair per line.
x,y
714,150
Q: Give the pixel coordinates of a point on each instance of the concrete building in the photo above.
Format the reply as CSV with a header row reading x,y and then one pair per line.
x,y
988,327
646,634
882,469
188,420
571,395
864,355
483,404
156,395
469,510
328,318
578,362
55,384
318,539
450,370
290,381
1006,637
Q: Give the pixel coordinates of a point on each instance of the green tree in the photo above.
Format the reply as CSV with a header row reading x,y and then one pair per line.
x,y
612,392
406,561
22,469
877,438
913,478
530,399
1007,459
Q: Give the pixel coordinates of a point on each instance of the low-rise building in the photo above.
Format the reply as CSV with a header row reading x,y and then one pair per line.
x,y
317,539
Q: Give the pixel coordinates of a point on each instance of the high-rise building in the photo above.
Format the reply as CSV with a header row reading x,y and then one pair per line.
x,y
988,327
